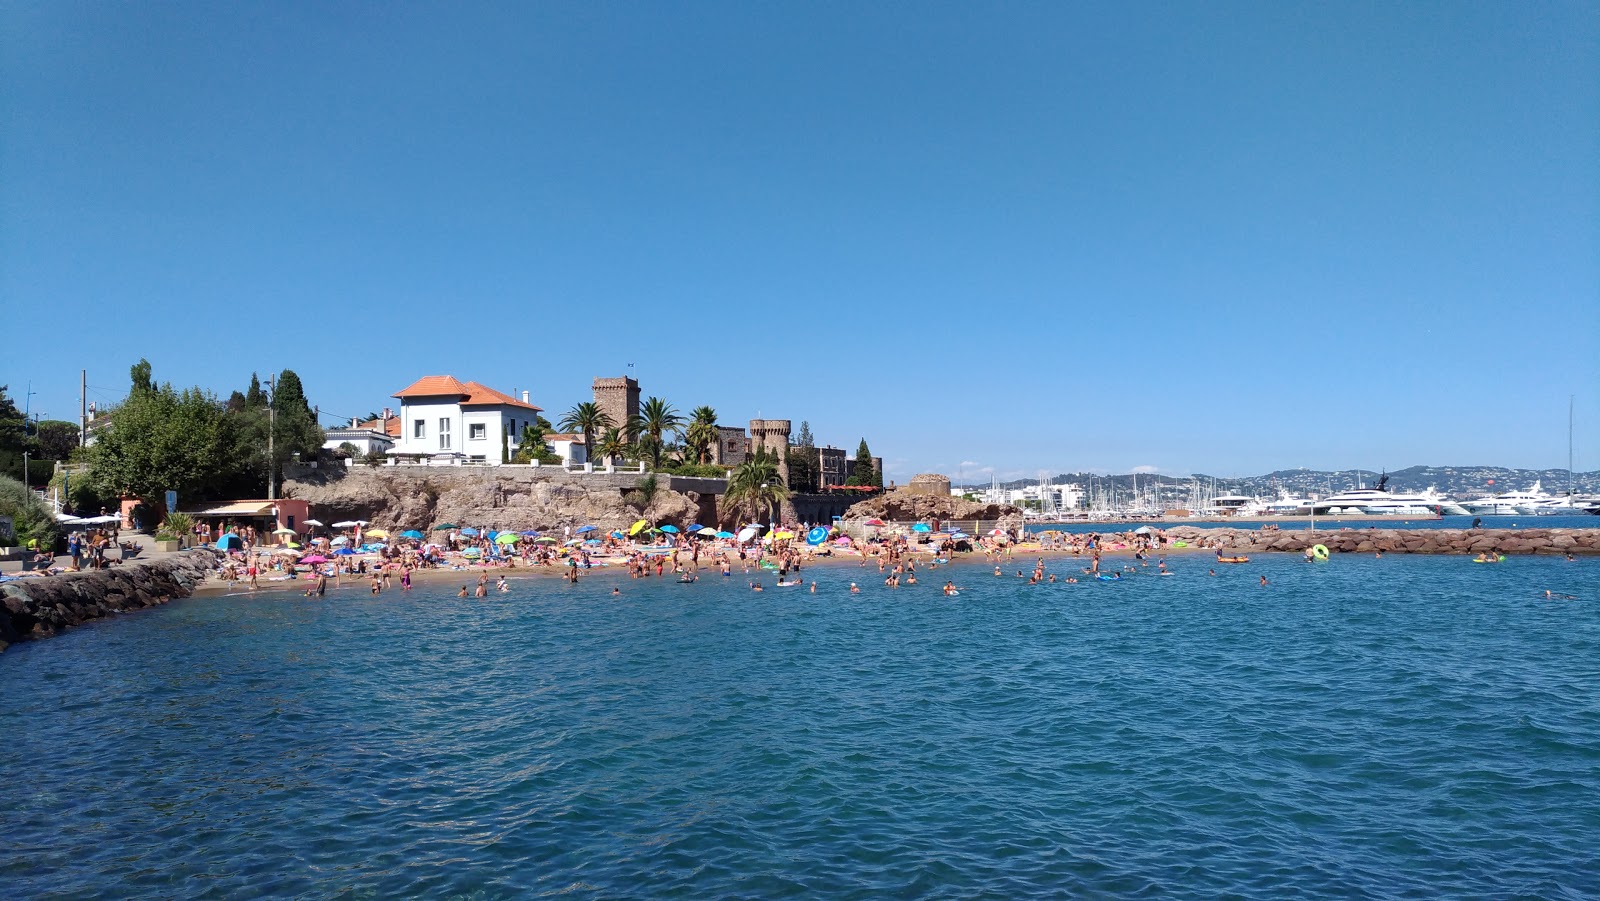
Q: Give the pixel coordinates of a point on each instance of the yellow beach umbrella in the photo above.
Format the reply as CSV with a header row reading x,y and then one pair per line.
x,y
634,529
377,533
781,536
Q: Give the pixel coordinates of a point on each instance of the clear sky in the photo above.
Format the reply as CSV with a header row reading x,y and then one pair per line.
x,y
1211,237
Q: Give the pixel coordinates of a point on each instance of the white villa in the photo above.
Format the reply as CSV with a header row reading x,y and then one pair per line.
x,y
443,417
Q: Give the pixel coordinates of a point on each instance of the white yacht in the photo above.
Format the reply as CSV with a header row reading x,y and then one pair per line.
x,y
1381,502
1511,503
1229,505
1287,505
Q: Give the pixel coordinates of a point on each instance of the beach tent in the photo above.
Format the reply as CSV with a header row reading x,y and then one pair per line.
x,y
229,542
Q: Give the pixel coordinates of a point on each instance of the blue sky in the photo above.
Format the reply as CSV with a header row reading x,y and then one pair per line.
x,y
1224,238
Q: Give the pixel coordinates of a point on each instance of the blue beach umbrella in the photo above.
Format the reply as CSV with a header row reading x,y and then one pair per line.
x,y
724,534
816,536
672,529
922,527
345,552
583,530
694,528
412,534
470,533
531,533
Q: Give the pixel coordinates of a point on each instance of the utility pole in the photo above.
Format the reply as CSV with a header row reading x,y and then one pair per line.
x,y
83,407
272,428
27,406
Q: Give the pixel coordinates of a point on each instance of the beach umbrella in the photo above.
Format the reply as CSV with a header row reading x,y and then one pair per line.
x,y
694,528
707,532
282,531
545,540
313,559
724,534
229,542
874,522
592,541
341,540
347,524
816,536
997,531
377,533
574,542
505,538
960,535
782,536
286,552
470,533
413,534
749,532
921,527
344,552
1142,530
583,530
444,527
636,527
362,522
67,517
671,529
531,533
843,539
472,552
311,522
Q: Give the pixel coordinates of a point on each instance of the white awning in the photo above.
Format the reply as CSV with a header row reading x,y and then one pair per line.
x,y
237,508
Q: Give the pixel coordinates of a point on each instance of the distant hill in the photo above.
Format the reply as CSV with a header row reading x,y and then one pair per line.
x,y
1461,482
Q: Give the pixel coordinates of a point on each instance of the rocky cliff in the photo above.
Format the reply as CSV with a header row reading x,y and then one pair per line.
x,y
420,497
907,505
43,607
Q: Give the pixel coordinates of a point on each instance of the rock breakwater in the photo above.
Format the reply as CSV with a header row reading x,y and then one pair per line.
x,y
46,606
1398,541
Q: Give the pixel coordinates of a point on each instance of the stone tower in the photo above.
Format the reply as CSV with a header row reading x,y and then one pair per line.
x,y
772,434
618,399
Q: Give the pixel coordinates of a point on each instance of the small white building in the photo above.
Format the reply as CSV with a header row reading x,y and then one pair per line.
x,y
569,447
442,417
372,436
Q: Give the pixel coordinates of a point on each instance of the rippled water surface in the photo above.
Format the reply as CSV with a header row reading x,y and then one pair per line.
x,y
1403,726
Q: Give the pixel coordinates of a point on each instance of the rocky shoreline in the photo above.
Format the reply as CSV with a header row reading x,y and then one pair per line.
x,y
1584,542
46,606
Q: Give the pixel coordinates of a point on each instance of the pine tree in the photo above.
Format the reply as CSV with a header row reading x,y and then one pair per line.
x,y
865,473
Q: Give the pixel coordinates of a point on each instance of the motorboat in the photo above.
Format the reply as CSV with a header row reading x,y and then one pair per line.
x,y
1511,503
1230,505
1381,502
1286,505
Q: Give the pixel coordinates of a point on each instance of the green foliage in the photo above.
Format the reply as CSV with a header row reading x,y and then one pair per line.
x,y
588,419
803,437
656,421
30,516
177,523
702,434
613,446
54,439
698,470
161,439
375,458
805,467
865,473
754,486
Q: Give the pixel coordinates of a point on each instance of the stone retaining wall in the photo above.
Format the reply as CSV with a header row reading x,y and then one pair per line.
x,y
44,607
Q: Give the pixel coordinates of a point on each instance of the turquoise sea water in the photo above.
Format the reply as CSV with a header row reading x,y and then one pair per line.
x,y
1335,522
1405,726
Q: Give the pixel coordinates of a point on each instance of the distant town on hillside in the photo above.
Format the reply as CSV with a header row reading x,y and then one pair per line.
x,y
1455,481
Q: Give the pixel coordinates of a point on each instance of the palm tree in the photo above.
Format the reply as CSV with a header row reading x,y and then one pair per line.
x,y
589,419
613,444
530,444
702,432
655,421
754,485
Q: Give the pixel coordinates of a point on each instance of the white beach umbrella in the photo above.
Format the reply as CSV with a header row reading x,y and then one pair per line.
x,y
749,532
341,541
347,524
312,522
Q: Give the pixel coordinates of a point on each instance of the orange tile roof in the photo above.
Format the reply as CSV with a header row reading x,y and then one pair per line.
x,y
390,426
484,396
468,394
434,386
574,437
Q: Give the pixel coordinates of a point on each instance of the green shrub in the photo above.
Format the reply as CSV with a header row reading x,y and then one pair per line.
x,y
30,516
178,523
